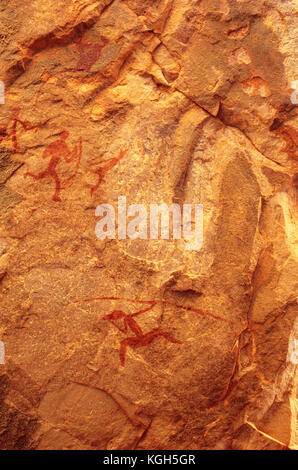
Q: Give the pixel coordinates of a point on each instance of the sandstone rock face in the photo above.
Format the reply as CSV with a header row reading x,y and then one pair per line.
x,y
160,101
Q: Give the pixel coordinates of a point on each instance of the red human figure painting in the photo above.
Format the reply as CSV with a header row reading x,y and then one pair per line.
x,y
139,339
55,151
102,170
13,132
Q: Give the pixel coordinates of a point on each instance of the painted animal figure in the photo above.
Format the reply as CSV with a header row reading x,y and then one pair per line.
x,y
140,339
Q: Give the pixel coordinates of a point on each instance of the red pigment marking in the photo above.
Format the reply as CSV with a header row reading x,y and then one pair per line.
x,y
55,151
13,134
102,171
88,54
162,301
140,339
69,180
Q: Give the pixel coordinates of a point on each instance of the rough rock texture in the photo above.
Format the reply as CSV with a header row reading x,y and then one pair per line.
x,y
184,101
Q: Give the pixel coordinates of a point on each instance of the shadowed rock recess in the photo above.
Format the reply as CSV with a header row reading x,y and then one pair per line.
x,y
143,344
